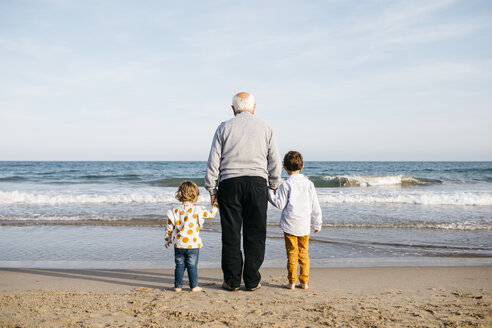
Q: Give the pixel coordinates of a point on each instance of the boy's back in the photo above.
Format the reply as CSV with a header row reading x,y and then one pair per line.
x,y
299,203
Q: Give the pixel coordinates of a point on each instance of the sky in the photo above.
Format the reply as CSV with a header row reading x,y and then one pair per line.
x,y
336,80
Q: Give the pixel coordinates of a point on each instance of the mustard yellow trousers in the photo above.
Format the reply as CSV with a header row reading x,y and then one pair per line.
x,y
297,252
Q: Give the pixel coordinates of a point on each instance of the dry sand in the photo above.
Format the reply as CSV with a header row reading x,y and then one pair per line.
x,y
355,297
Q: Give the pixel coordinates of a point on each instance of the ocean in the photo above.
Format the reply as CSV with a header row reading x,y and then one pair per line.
x,y
112,214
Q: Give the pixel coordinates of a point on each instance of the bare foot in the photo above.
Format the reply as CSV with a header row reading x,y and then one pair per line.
x,y
304,286
177,290
290,286
196,289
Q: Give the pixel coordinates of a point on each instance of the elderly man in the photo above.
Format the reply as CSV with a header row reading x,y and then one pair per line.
x,y
245,159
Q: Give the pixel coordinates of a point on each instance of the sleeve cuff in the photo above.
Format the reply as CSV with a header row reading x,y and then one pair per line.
x,y
274,184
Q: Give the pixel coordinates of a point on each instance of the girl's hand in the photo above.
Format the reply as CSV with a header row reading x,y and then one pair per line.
x,y
316,231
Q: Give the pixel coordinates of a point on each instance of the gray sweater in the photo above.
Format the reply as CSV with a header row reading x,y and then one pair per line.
x,y
243,146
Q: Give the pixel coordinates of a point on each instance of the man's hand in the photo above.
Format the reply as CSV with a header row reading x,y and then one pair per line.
x,y
213,199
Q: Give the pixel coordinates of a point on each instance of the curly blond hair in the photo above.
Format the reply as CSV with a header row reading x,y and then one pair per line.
x,y
187,192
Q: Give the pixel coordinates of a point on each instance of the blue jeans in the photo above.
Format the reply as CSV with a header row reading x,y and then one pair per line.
x,y
186,258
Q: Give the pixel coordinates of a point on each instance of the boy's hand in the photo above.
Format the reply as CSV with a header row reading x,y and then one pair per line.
x,y
316,231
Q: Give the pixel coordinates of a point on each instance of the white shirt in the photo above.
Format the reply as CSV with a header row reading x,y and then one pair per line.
x,y
297,199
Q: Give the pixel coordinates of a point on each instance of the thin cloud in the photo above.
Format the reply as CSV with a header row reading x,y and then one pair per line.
x,y
97,71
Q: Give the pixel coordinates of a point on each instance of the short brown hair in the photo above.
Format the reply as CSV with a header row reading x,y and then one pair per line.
x,y
187,192
293,161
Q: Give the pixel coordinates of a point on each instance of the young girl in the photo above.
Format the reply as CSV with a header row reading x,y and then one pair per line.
x,y
183,231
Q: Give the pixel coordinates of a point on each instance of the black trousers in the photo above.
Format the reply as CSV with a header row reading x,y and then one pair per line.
x,y
243,202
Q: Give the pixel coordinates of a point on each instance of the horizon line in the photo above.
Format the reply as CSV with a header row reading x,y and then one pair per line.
x,y
410,161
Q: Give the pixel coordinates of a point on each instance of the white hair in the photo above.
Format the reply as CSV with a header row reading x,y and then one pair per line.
x,y
243,104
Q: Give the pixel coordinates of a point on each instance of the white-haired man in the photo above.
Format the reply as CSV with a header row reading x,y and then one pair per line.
x,y
245,159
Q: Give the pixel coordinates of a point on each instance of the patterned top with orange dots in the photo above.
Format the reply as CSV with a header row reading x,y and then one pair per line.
x,y
184,223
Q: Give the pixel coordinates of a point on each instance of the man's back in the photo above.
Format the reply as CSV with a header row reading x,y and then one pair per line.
x,y
243,146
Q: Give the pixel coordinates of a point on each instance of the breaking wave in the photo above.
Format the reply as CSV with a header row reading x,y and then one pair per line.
x,y
370,181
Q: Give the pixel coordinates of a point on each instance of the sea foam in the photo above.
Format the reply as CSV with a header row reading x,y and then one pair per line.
x,y
49,198
414,198
325,196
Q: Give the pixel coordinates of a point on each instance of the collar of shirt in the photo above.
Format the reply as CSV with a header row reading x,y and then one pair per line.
x,y
293,176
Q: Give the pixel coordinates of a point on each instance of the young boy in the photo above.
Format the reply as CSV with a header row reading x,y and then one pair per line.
x,y
183,231
297,199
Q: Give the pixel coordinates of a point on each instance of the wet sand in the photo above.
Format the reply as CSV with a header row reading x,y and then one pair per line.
x,y
353,297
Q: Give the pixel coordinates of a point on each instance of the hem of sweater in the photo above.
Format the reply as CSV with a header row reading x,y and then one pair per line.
x,y
182,247
245,174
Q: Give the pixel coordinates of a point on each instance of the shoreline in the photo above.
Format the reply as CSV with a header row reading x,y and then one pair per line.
x,y
356,297
160,223
326,263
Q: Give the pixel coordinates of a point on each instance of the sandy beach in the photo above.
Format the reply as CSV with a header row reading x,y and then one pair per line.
x,y
352,297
